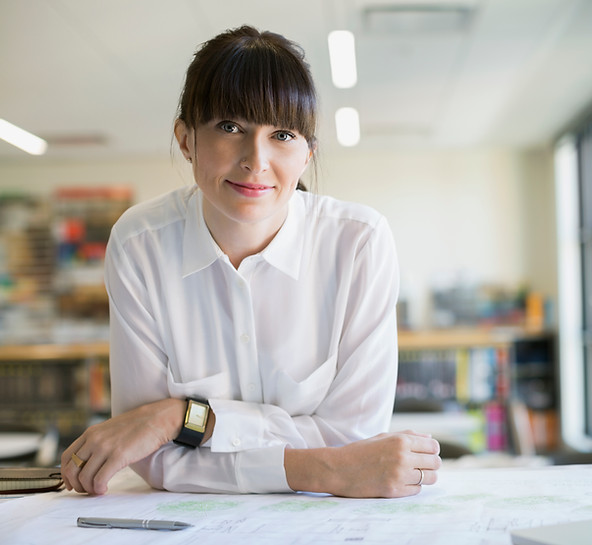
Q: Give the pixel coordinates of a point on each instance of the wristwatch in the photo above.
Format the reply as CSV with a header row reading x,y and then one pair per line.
x,y
194,426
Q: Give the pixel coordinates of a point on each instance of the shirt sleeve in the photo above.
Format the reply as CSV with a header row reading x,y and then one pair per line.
x,y
359,402
138,367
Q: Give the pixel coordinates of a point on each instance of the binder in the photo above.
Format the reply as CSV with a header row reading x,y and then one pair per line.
x,y
24,480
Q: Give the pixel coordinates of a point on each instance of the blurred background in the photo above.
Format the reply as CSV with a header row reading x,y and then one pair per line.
x,y
462,108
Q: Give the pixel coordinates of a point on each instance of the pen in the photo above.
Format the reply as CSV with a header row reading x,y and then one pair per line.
x,y
131,524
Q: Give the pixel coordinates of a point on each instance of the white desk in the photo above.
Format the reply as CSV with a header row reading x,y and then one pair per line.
x,y
474,506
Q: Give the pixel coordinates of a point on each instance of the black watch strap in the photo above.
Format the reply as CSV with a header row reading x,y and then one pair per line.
x,y
194,425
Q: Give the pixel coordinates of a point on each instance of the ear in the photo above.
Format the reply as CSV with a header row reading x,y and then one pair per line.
x,y
184,137
312,149
309,156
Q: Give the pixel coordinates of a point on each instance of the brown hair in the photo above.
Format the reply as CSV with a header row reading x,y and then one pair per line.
x,y
260,77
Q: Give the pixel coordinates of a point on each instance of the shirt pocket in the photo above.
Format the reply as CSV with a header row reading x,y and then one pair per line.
x,y
303,397
213,387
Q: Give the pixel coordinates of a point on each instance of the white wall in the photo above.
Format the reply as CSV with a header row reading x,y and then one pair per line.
x,y
487,213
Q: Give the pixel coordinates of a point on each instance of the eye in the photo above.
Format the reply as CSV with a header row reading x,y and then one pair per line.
x,y
228,126
284,136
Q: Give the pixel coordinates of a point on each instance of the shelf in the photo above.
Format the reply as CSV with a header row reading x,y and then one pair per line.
x,y
408,340
44,352
464,337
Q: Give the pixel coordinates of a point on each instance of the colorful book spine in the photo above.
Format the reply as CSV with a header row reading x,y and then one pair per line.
x,y
495,426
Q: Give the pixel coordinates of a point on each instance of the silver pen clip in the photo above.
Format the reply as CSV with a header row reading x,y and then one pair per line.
x,y
92,523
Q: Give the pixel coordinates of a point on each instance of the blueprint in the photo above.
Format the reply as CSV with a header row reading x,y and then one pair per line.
x,y
473,506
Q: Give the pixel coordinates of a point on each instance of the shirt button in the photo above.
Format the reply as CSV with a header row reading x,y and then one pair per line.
x,y
251,387
245,338
236,442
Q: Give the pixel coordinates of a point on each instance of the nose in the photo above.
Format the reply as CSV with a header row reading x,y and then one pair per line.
x,y
255,155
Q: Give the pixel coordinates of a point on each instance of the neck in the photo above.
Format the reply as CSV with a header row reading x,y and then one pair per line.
x,y
239,240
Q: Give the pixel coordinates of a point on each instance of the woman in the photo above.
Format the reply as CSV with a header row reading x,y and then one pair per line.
x,y
253,326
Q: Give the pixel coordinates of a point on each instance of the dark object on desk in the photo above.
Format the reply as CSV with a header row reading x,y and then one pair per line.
x,y
450,450
25,480
131,524
564,458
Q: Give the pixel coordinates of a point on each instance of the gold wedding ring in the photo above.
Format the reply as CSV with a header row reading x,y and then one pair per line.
x,y
418,483
79,461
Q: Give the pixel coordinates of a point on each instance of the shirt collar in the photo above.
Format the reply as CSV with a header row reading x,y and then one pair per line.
x,y
199,248
284,252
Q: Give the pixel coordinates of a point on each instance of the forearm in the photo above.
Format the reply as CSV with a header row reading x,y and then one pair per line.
x,y
333,470
310,470
167,414
166,418
387,465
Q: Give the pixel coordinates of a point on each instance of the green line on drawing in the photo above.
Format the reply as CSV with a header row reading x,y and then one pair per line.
x,y
300,505
528,501
393,507
196,506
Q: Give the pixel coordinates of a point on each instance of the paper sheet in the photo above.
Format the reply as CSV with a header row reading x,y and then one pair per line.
x,y
475,506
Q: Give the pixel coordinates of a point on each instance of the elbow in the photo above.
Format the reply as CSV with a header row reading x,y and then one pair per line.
x,y
150,472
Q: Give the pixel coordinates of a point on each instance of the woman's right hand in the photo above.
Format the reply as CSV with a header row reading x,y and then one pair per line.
x,y
385,466
90,462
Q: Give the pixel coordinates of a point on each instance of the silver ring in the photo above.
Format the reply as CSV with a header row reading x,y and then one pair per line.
x,y
418,483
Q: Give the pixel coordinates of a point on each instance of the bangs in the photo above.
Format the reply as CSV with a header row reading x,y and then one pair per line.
x,y
261,84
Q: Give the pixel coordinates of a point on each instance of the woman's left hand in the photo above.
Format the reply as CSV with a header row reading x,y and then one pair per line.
x,y
90,462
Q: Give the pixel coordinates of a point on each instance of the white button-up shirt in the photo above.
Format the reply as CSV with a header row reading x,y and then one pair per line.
x,y
295,349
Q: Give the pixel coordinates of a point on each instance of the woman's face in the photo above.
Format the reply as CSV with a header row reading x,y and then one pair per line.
x,y
247,172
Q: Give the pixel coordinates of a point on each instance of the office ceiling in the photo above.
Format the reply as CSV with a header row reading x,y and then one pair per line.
x,y
101,78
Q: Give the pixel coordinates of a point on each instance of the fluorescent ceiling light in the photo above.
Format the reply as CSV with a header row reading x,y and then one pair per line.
x,y
342,55
22,139
347,123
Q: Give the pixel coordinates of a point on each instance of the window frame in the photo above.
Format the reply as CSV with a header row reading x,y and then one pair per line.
x,y
574,399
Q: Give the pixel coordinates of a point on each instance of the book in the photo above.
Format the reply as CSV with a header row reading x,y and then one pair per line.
x,y
23,480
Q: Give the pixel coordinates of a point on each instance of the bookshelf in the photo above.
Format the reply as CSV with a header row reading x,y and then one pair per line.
x,y
498,384
82,218
61,387
52,250
472,377
54,307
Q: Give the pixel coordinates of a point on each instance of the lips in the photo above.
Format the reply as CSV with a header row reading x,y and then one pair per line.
x,y
250,189
250,186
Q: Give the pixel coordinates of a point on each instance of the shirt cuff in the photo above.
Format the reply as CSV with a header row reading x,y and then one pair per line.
x,y
261,471
239,426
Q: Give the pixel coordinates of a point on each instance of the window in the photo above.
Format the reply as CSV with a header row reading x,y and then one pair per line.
x,y
573,184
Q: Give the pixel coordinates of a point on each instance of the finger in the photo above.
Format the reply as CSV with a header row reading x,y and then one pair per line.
x,y
413,432
81,468
105,473
424,444
87,476
430,477
423,477
69,469
425,461
420,480
75,474
101,466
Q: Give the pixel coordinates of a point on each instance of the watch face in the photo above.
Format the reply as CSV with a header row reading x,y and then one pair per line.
x,y
197,416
